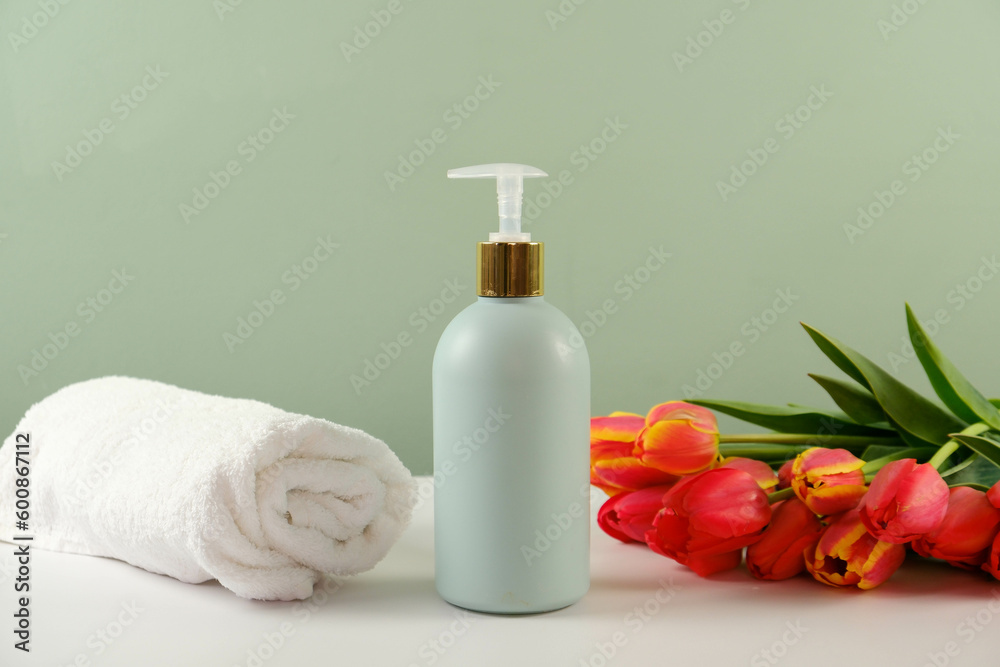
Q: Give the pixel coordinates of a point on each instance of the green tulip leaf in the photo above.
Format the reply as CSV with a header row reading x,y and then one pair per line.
x,y
950,385
788,419
918,420
972,485
985,447
832,349
877,451
882,425
975,471
961,466
853,399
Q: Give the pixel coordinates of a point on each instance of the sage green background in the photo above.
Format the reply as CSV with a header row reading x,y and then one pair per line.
x,y
560,83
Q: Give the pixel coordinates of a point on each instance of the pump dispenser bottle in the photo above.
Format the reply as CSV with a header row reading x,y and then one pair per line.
x,y
511,394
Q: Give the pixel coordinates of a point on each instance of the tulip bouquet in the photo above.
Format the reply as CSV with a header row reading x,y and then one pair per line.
x,y
839,494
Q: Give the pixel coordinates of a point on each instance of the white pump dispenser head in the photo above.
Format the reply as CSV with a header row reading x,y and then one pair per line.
x,y
510,187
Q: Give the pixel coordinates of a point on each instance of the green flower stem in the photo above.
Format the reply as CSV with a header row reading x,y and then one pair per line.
x,y
784,494
871,468
949,448
762,452
852,443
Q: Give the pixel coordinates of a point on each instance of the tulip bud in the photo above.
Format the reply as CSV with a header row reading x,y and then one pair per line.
x,y
785,474
993,495
904,501
678,438
828,481
780,552
848,555
759,470
966,533
992,564
708,518
613,468
627,516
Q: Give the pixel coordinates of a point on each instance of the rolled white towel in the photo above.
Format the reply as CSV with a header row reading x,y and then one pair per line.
x,y
203,487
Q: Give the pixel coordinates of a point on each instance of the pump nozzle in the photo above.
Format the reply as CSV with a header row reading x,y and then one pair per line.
x,y
510,187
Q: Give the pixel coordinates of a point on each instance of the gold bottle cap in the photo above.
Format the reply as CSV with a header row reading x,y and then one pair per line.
x,y
510,269
509,264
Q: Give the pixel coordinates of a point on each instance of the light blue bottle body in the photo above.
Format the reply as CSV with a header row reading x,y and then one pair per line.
x,y
511,394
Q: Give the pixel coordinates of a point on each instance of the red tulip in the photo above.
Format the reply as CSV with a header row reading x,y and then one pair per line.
x,y
992,564
613,469
627,516
848,555
966,533
993,495
708,518
759,470
616,427
780,552
828,481
904,501
785,474
679,438
607,519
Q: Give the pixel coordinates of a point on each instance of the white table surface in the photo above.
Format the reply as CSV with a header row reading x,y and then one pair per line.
x,y
392,616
